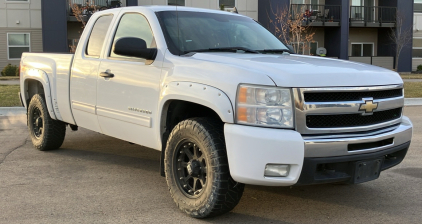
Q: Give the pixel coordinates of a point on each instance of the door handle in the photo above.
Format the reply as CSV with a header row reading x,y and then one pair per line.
x,y
106,74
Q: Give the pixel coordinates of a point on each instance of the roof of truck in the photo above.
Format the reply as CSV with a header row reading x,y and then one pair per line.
x,y
160,8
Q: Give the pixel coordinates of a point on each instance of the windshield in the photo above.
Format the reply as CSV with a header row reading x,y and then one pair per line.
x,y
199,31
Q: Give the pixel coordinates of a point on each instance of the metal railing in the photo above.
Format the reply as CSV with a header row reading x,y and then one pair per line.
x,y
387,62
373,14
90,6
316,13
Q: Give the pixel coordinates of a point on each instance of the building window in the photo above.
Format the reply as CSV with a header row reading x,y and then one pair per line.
x,y
176,2
362,49
17,43
417,47
417,6
227,3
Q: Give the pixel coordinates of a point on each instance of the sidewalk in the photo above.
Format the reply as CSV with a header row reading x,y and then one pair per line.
x,y
13,111
9,82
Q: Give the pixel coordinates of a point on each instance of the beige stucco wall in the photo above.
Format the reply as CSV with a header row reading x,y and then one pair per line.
x,y
20,17
363,35
244,7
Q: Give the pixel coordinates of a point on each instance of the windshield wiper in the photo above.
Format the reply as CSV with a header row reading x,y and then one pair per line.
x,y
225,49
275,51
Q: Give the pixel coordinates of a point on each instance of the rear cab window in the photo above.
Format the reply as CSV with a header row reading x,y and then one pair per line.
x,y
97,37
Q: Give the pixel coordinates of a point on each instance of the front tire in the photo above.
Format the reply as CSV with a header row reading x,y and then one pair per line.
x,y
46,133
197,170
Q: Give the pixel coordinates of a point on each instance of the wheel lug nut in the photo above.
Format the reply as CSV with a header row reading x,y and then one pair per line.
x,y
181,178
179,160
179,168
190,191
185,185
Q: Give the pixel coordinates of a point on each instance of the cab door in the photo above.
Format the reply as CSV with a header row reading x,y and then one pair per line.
x,y
83,85
128,88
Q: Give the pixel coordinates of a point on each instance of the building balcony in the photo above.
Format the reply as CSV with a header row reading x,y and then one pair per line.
x,y
88,7
372,16
317,15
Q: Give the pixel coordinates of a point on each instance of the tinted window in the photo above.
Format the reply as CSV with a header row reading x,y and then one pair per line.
x,y
134,25
96,40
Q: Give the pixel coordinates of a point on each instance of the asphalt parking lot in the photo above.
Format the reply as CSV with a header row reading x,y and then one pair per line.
x,y
98,179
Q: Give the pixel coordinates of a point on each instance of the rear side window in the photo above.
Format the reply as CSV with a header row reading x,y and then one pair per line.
x,y
98,33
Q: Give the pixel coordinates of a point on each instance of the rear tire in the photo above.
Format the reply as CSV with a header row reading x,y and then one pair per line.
x,y
197,170
46,133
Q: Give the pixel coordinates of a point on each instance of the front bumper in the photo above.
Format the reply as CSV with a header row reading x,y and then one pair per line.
x,y
250,149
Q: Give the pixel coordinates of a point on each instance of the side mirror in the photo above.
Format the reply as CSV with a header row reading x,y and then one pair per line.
x,y
291,49
134,47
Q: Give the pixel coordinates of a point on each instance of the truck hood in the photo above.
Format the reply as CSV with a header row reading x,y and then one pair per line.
x,y
306,71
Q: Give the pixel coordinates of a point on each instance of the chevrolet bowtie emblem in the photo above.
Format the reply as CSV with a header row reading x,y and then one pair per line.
x,y
369,106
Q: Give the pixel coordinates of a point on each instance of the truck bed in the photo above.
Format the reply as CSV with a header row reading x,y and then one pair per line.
x,y
54,70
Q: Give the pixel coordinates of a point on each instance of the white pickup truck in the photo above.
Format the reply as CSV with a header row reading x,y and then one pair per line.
x,y
225,102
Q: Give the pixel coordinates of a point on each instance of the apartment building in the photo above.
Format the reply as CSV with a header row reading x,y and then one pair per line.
x,y
20,29
417,35
356,30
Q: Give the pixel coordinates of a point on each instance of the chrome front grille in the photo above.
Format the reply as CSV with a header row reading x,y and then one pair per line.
x,y
339,110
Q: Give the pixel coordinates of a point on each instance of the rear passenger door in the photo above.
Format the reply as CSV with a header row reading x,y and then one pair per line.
x,y
127,102
83,85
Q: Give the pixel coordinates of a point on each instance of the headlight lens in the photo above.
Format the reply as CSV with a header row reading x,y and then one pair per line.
x,y
264,106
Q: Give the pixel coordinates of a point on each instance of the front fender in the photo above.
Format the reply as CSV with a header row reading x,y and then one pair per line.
x,y
205,95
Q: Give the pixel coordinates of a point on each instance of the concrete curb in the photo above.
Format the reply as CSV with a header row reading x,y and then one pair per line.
x,y
11,111
413,101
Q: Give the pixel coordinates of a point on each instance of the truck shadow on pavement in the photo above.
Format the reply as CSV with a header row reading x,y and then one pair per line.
x,y
301,204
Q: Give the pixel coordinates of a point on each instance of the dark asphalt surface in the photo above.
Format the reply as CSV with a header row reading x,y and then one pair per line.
x,y
98,179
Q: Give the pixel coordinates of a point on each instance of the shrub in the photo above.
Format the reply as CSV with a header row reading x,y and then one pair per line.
x,y
10,70
419,68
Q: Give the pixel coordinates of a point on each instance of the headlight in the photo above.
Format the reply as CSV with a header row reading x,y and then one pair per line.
x,y
264,106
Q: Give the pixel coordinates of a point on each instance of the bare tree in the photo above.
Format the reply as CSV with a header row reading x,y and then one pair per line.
x,y
292,26
400,36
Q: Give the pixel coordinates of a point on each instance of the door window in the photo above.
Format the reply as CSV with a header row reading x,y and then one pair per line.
x,y
98,33
133,25
313,46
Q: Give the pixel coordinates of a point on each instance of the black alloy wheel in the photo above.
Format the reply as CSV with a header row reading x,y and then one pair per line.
x,y
37,122
191,169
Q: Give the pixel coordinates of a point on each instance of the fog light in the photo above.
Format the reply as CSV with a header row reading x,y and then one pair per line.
x,y
276,170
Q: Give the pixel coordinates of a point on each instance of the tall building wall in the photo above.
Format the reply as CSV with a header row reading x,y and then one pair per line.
x,y
24,19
